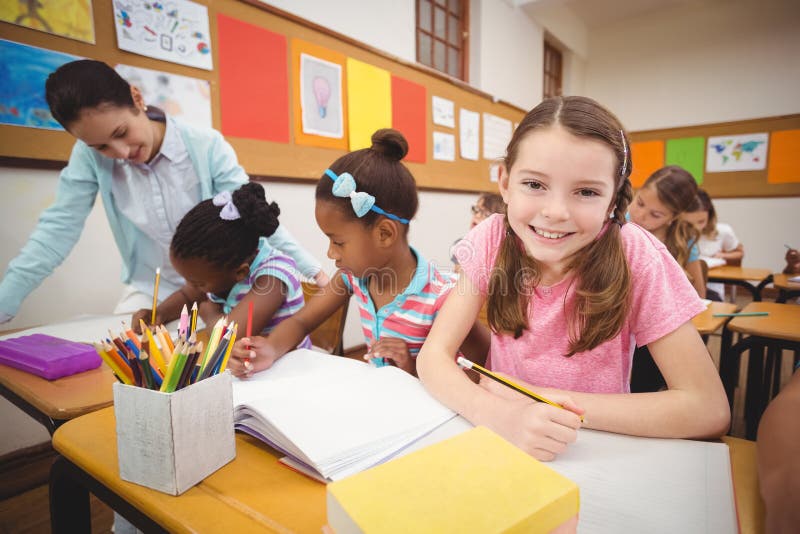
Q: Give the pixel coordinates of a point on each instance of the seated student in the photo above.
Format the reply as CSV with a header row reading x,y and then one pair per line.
x,y
148,168
658,207
778,461
571,290
364,203
221,249
486,205
718,244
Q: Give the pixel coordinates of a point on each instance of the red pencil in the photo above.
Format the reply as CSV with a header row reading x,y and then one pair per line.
x,y
249,318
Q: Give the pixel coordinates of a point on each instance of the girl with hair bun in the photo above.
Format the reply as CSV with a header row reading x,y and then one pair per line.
x,y
220,248
364,204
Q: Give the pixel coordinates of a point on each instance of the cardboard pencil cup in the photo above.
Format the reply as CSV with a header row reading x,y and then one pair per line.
x,y
171,441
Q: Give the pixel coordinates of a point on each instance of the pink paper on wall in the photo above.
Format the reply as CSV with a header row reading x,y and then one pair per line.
x,y
409,102
253,81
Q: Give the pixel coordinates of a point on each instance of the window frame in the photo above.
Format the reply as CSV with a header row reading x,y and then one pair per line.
x,y
461,49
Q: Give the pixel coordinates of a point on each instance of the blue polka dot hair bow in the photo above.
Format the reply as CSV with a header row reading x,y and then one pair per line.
x,y
344,186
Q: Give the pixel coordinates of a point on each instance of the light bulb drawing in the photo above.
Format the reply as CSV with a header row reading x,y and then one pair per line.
x,y
322,92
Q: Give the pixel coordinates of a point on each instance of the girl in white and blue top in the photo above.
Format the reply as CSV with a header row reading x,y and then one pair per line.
x,y
148,169
220,247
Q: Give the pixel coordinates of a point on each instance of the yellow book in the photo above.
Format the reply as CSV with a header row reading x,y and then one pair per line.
x,y
473,482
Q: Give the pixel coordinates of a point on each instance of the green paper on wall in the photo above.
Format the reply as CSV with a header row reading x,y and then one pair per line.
x,y
689,153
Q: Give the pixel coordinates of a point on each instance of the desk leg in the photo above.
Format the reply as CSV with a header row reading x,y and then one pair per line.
x,y
728,365
757,291
753,405
69,500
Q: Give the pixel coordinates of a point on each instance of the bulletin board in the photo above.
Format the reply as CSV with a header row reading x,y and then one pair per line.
x,y
288,157
774,142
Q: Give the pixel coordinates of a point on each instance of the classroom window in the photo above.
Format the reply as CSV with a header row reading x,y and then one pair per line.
x,y
553,66
442,36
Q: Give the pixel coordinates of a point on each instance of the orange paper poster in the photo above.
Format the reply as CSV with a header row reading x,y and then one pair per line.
x,y
409,110
369,102
783,163
318,89
646,157
253,81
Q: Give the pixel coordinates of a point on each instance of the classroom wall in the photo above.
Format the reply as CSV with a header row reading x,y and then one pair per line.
x,y
718,62
387,25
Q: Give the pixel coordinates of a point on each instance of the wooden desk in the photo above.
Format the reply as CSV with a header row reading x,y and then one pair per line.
x,y
706,323
53,402
778,331
252,493
742,276
786,288
749,506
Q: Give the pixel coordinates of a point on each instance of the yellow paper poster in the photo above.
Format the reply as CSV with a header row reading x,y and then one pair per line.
x,y
369,102
68,18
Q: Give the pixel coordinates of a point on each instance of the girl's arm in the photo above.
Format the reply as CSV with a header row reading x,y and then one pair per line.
x,y
732,255
266,300
539,429
263,351
170,308
695,273
694,405
778,461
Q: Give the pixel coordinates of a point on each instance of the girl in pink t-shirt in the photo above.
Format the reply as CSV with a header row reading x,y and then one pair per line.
x,y
572,290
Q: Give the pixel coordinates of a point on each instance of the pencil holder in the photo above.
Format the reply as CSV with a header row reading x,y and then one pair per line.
x,y
171,441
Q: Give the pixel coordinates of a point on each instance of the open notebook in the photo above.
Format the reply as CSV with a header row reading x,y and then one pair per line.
x,y
335,416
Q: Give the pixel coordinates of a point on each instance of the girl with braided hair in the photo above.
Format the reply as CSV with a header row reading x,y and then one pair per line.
x,y
220,248
572,290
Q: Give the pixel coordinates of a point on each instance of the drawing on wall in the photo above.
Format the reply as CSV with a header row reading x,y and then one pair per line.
x,y
23,71
728,153
175,31
67,18
444,146
469,127
188,99
321,97
496,135
443,111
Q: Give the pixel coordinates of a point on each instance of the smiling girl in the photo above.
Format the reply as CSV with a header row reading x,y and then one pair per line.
x,y
572,289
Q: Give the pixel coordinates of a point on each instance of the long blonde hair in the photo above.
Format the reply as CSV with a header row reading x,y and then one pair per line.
x,y
677,190
602,274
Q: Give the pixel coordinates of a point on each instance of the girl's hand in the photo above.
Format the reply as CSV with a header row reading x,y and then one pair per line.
x,y
322,279
396,351
539,429
145,315
251,355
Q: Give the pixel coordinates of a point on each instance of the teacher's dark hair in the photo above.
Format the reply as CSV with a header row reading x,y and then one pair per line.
x,y
83,84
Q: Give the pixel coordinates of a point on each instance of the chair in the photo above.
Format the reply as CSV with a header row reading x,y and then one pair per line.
x,y
328,335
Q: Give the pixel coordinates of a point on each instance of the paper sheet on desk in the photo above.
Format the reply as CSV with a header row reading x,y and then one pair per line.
x,y
631,484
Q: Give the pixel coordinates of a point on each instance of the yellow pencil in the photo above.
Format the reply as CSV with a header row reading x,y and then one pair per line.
x,y
155,353
193,326
155,296
230,347
467,364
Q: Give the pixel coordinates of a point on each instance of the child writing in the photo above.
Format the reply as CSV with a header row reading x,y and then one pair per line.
x,y
659,206
718,244
221,249
571,290
149,170
364,203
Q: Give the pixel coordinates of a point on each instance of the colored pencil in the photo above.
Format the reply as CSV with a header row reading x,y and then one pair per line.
x,y
194,318
467,364
155,296
741,314
183,326
154,352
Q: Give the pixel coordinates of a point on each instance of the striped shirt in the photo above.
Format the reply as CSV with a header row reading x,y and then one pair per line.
x,y
410,315
269,267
